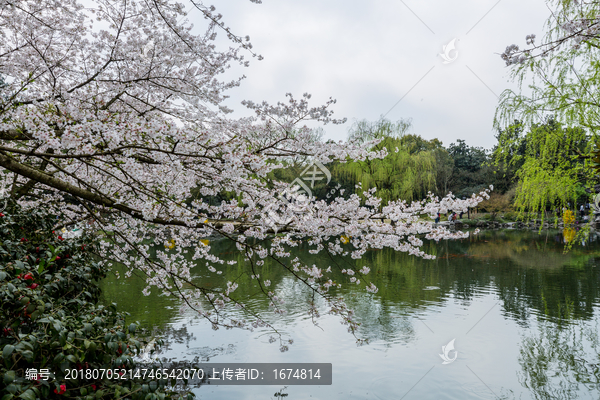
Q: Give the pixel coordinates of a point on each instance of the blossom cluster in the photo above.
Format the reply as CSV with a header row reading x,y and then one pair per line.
x,y
142,141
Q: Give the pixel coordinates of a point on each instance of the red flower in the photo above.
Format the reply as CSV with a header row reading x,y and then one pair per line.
x,y
60,237
23,240
33,286
28,276
52,231
1,215
63,389
58,257
93,386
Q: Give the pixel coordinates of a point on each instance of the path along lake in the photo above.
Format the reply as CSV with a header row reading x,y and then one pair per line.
x,y
522,313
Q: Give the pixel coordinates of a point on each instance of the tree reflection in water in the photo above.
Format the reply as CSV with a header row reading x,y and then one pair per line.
x,y
553,296
561,363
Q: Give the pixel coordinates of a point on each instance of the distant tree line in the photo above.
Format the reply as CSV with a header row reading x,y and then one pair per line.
x,y
542,168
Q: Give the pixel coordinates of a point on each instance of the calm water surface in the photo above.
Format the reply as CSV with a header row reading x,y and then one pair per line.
x,y
523,316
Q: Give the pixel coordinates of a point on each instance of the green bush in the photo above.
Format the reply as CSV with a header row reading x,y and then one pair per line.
x,y
51,325
488,217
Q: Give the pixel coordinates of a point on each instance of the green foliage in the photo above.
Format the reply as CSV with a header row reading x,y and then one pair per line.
x,y
563,77
401,175
415,144
444,164
508,155
471,172
50,318
365,131
413,167
564,81
548,165
496,203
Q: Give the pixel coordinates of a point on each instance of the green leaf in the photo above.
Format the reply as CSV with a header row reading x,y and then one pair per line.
x,y
26,344
41,266
8,397
7,351
28,395
58,358
9,377
28,355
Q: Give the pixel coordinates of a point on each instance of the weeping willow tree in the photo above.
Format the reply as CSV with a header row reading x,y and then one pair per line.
x,y
364,131
551,172
404,174
562,74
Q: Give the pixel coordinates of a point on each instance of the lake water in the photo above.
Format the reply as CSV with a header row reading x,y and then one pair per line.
x,y
523,316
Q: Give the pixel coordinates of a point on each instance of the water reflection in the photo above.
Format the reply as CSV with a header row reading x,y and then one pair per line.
x,y
561,363
512,299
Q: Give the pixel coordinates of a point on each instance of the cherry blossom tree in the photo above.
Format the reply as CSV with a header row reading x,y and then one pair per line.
x,y
112,111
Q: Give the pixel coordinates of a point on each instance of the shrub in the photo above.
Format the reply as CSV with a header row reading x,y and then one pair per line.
x,y
495,204
568,217
51,322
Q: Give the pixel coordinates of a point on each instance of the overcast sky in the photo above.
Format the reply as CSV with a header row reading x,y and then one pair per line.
x,y
382,57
